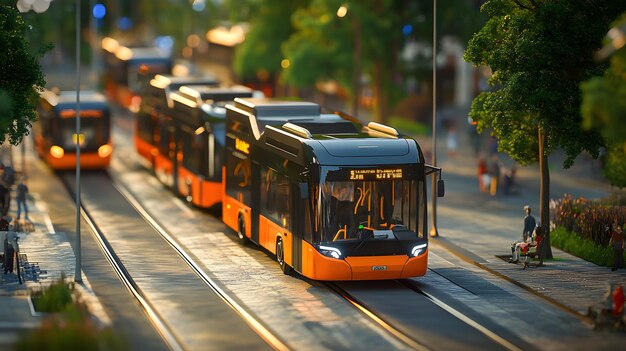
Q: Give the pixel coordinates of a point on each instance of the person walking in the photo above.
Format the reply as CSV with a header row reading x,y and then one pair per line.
x,y
617,240
483,176
494,172
22,191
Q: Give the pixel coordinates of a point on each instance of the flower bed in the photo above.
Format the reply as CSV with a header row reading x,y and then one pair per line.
x,y
586,218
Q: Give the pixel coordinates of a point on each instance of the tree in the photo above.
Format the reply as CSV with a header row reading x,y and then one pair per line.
x,y
259,56
539,52
20,77
604,105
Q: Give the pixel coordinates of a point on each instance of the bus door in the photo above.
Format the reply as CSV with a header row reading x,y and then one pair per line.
x,y
300,221
255,175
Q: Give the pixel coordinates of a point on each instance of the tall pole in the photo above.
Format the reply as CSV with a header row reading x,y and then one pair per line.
x,y
77,275
433,229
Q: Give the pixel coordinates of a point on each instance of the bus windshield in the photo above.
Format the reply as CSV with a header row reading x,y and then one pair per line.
x,y
358,210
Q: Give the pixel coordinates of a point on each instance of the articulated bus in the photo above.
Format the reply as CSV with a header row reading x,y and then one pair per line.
x,y
55,130
128,68
189,148
331,198
154,101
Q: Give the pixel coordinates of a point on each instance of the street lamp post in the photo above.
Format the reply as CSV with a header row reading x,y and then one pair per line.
x,y
77,274
433,229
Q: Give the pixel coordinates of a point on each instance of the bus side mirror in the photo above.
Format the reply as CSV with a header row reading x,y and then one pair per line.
x,y
441,188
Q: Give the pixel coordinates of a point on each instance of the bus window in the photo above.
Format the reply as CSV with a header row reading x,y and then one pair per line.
x,y
275,196
349,207
238,172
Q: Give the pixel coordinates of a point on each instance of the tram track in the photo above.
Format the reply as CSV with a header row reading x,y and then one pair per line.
x,y
407,338
169,333
162,328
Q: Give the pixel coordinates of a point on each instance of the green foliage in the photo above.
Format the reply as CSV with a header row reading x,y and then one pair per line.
x,y
20,76
409,127
581,247
539,52
604,107
72,330
54,298
69,327
269,28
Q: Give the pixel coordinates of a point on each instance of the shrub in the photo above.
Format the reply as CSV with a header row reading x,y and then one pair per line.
x,y
586,218
581,247
54,298
72,328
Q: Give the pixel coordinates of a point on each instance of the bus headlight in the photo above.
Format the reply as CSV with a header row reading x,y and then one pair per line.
x,y
418,250
330,251
56,151
105,150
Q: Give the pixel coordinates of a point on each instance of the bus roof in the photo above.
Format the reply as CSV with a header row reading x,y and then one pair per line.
x,y
69,97
175,82
208,93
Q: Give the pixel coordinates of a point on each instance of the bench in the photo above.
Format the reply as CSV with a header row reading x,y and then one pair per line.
x,y
528,252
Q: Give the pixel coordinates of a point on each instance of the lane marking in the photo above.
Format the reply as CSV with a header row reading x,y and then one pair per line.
x,y
467,320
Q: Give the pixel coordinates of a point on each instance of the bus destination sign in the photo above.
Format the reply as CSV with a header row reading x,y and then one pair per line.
x,y
376,174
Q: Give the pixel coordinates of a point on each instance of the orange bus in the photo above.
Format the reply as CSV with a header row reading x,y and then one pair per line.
x,y
332,198
55,130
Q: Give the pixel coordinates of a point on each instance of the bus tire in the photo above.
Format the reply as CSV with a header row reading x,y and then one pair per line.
x,y
280,257
241,230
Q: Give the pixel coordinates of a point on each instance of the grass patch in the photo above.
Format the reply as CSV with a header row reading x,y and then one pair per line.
x,y
580,247
54,298
409,127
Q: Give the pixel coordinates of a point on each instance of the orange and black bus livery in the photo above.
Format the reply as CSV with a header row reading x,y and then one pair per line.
x,y
55,130
189,146
154,104
333,199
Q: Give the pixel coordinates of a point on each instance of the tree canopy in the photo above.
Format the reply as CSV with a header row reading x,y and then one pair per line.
x,y
604,104
20,77
539,52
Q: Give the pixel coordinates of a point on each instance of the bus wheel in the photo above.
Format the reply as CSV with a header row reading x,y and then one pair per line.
x,y
280,257
241,231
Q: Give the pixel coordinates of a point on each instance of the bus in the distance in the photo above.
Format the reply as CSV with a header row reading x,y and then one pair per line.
x,y
155,100
331,198
128,68
190,147
55,130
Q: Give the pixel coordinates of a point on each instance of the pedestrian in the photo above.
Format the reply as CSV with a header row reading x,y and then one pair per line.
x,y
22,191
618,307
483,177
617,240
494,173
527,240
452,142
11,248
529,222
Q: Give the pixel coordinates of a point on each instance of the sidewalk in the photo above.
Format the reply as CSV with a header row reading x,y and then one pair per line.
x,y
478,227
45,255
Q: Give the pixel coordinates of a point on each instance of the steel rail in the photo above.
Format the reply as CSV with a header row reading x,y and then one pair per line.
x,y
162,328
465,319
395,332
269,337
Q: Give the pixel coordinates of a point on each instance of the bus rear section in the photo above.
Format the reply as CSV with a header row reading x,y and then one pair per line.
x,y
55,131
128,68
154,105
198,114
333,199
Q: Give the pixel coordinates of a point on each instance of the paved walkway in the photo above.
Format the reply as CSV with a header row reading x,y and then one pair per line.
x,y
45,256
